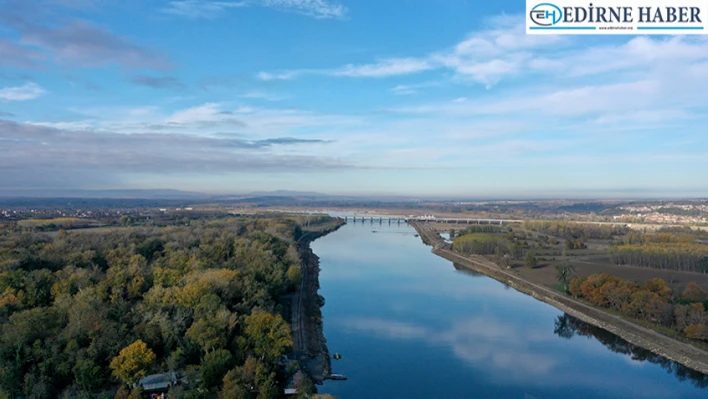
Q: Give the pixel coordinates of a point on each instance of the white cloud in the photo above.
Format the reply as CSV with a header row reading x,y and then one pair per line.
x,y
403,90
503,51
278,76
485,57
261,95
320,9
30,91
390,67
206,112
414,87
78,125
314,8
384,68
201,9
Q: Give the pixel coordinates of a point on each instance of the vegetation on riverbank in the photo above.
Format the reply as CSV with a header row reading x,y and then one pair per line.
x,y
200,297
650,301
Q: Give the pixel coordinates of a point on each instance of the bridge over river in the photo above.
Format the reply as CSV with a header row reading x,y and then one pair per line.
x,y
428,219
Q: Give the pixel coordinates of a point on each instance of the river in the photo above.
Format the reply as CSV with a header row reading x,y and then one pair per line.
x,y
410,324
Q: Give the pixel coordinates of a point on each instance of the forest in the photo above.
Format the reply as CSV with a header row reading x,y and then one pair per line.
x,y
88,313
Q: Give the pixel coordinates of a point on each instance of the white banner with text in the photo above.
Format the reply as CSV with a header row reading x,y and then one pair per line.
x,y
617,17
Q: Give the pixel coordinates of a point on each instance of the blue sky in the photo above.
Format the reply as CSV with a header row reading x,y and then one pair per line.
x,y
436,97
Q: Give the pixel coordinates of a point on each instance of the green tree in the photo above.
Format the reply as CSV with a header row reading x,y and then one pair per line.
x,y
303,384
176,393
213,332
294,276
565,273
133,362
516,251
703,265
531,261
87,374
213,367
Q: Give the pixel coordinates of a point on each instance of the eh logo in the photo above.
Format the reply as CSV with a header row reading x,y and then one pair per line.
x,y
546,14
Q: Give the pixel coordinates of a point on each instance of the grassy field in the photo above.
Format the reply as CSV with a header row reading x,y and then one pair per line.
x,y
545,273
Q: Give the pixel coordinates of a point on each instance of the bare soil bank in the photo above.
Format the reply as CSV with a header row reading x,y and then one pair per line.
x,y
657,343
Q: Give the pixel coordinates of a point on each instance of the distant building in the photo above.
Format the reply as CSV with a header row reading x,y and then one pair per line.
x,y
160,382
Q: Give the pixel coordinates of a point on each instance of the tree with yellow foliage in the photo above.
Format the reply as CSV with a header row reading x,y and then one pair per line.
x,y
133,362
268,335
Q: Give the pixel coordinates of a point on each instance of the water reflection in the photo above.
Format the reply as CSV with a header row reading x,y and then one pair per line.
x,y
488,344
567,326
467,271
410,324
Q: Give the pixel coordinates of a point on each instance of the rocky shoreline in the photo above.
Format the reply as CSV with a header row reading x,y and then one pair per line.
x,y
313,353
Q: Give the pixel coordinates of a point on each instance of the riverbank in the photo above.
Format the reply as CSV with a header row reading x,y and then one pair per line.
x,y
651,340
309,343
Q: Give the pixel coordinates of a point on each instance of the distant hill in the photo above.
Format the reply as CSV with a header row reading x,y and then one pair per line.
x,y
116,194
286,193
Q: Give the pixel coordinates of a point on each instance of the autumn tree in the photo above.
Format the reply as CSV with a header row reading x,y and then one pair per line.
x,y
575,286
231,388
658,287
697,331
133,362
693,293
268,335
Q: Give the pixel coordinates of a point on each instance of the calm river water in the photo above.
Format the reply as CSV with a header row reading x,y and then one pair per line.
x,y
409,324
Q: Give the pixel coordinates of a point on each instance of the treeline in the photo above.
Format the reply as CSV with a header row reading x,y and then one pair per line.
x,y
484,229
55,224
683,257
82,314
650,301
488,244
578,231
673,249
478,244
